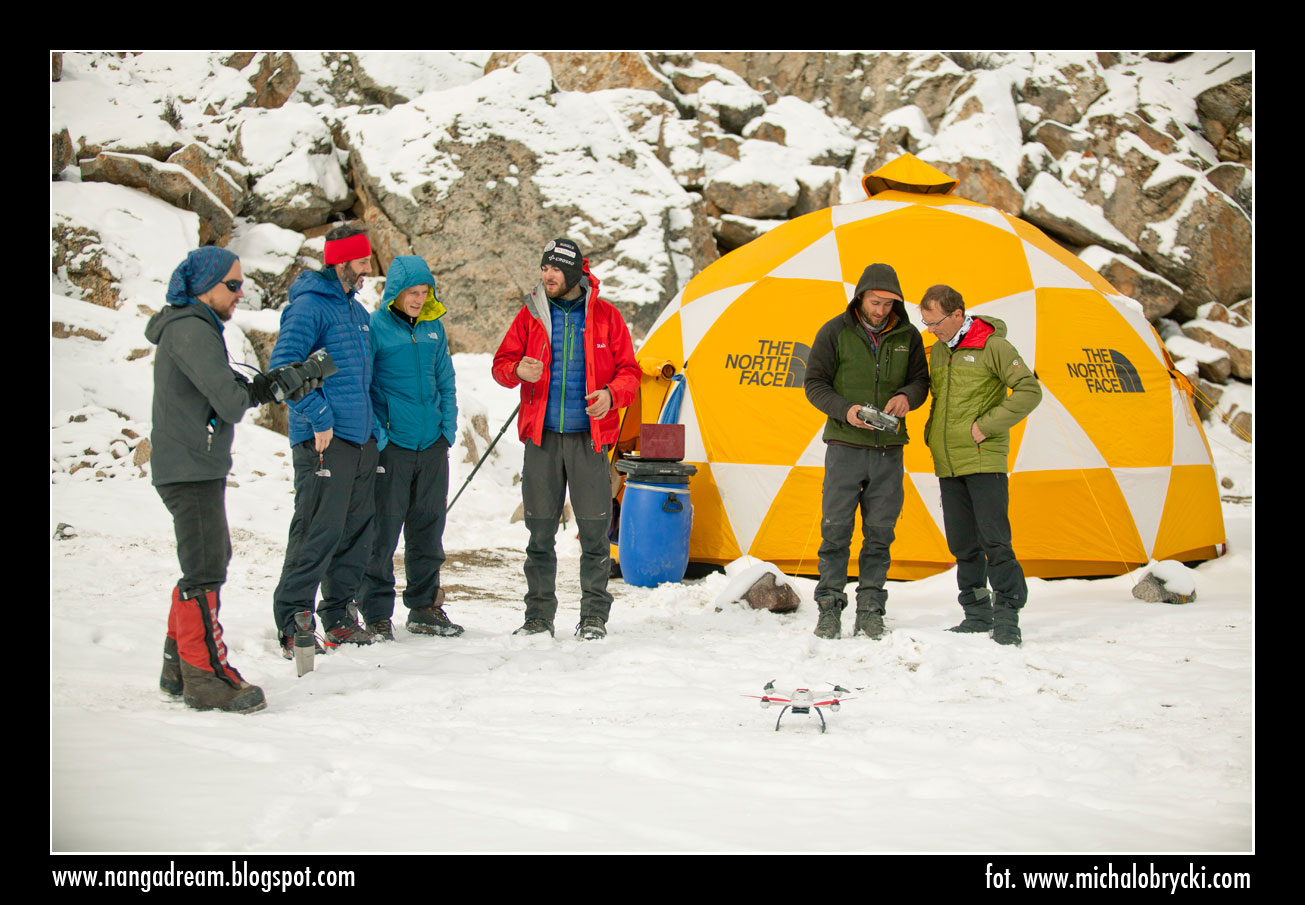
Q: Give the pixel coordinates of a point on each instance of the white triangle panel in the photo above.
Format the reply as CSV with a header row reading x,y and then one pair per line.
x,y
667,313
747,492
1145,490
1189,442
697,317
1020,314
814,454
843,214
1053,440
818,261
1048,273
988,215
694,449
926,484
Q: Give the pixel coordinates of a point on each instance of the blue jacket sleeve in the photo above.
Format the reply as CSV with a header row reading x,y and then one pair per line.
x,y
299,336
444,379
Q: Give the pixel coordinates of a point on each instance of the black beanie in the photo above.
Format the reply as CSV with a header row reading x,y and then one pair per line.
x,y
565,256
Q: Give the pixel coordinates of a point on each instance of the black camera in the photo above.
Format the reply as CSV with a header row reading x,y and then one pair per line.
x,y
293,382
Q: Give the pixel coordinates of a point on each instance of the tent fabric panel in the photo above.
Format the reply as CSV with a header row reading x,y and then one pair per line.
x,y
711,539
751,262
747,373
1054,513
929,245
1192,513
1104,374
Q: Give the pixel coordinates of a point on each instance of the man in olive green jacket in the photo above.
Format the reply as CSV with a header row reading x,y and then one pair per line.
x,y
968,432
868,355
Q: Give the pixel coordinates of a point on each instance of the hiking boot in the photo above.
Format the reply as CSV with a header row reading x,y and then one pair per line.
x,y
1006,625
170,682
978,613
208,680
830,623
207,691
348,631
432,620
591,628
869,624
288,646
383,629
534,627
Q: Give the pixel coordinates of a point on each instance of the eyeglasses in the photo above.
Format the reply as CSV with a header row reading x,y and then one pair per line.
x,y
233,285
937,322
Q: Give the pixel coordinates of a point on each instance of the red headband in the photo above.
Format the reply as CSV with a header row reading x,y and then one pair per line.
x,y
348,249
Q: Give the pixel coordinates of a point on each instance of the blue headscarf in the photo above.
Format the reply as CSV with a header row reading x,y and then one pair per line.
x,y
203,269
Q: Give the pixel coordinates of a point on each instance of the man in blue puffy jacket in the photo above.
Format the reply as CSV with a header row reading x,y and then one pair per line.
x,y
413,395
333,436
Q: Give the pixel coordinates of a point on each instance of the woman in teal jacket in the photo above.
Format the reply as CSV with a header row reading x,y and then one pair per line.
x,y
413,394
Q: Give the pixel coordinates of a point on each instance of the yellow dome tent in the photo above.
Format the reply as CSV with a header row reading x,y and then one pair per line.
x,y
1111,470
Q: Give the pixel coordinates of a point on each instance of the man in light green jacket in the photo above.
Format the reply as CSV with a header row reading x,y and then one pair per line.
x,y
971,367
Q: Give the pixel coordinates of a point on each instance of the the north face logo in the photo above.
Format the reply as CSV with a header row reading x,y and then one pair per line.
x,y
776,363
1106,371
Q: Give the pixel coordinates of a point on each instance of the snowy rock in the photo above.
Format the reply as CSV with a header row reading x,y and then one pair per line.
x,y
1063,89
760,186
1052,207
296,177
170,182
734,106
765,594
732,231
273,82
797,124
1214,365
1237,342
478,177
1058,138
1151,589
1157,295
270,258
1225,115
595,71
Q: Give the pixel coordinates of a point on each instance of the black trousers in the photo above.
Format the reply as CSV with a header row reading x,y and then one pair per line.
x,y
412,490
975,517
199,519
330,532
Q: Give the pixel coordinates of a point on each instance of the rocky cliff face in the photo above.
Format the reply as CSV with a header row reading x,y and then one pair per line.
x,y
1141,163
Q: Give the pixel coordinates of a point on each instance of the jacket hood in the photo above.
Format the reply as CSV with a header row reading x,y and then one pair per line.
x,y
405,272
878,276
980,330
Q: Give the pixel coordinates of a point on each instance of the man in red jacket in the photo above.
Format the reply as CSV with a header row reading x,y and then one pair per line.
x,y
571,354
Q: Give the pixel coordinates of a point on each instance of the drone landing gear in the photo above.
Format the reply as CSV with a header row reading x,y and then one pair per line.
x,y
806,710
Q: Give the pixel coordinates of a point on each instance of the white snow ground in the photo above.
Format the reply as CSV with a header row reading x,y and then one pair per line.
x,y
1118,726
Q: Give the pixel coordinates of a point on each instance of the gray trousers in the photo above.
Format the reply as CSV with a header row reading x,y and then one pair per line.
x,y
566,461
870,480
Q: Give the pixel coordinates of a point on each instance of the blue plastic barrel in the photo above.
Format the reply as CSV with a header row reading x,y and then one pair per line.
x,y
654,533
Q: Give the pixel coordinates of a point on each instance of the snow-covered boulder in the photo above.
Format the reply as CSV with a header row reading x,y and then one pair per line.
x,y
295,174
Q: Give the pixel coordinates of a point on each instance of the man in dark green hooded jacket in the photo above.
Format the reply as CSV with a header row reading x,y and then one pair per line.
x,y
971,368
868,355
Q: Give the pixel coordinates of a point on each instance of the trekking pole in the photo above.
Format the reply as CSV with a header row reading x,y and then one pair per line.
x,y
483,458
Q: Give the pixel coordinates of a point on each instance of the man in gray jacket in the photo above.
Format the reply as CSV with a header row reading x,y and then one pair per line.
x,y
198,399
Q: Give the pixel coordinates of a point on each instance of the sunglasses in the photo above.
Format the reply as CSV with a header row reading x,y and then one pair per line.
x,y
233,285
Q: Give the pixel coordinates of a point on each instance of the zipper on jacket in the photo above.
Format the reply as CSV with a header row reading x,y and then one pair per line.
x,y
566,360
